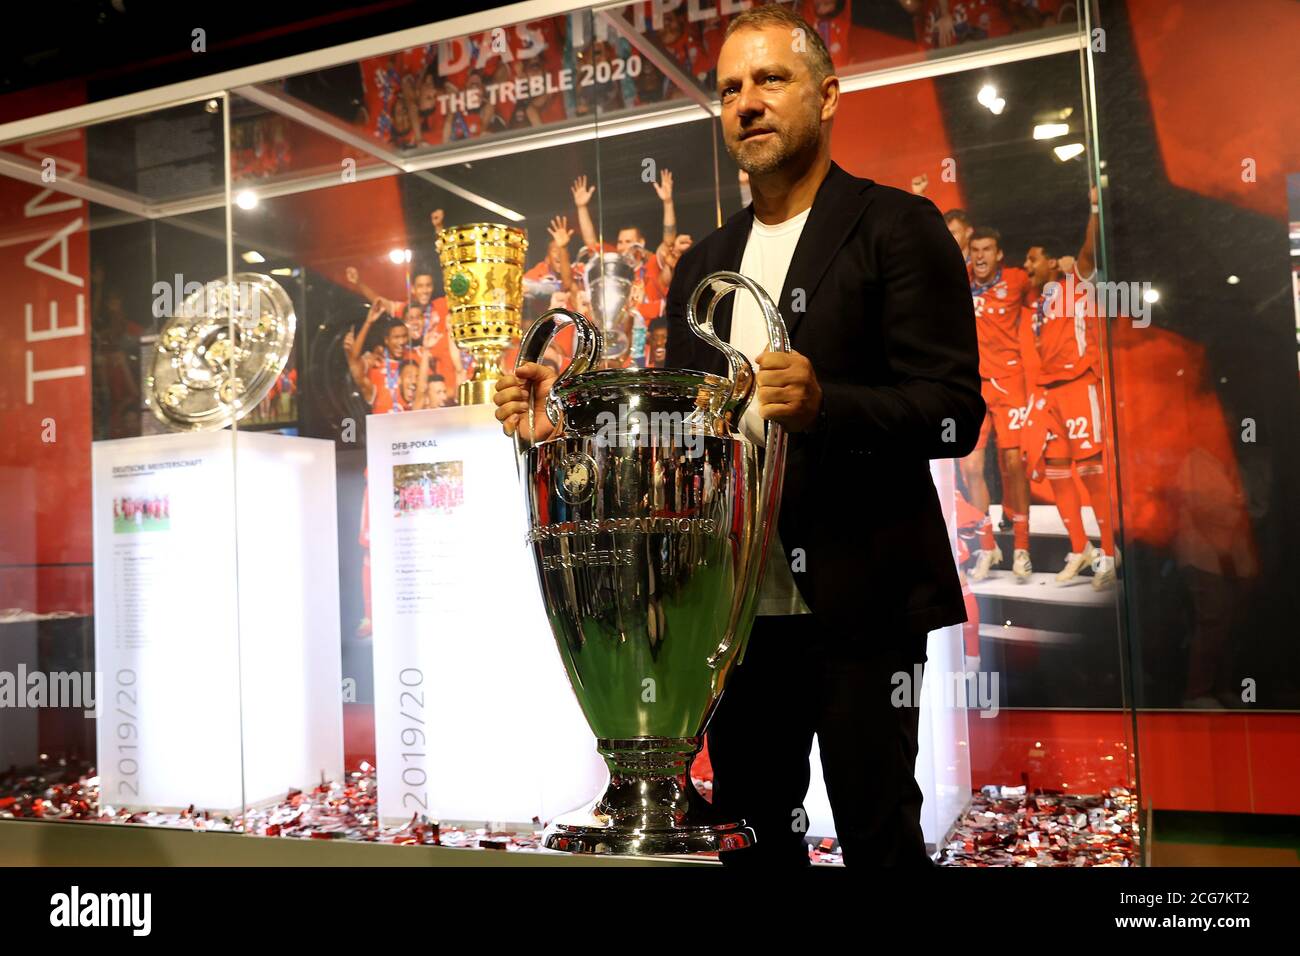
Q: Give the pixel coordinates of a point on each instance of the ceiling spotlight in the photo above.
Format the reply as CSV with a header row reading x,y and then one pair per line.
x,y
398,256
1068,151
1233,280
1150,295
987,94
282,271
1050,130
246,199
212,106
252,256
997,106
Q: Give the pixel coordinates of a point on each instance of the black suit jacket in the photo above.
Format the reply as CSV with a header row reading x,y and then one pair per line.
x,y
889,327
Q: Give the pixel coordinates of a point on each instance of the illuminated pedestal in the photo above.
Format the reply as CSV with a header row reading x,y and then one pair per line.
x,y
474,718
216,618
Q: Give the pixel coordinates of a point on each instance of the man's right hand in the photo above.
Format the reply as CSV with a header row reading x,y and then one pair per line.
x,y
511,398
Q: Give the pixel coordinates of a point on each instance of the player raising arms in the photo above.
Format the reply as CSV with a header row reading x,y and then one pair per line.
x,y
1064,318
999,293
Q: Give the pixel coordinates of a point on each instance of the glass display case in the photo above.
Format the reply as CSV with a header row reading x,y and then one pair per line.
x,y
243,595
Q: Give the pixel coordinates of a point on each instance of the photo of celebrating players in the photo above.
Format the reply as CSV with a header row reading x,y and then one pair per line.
x,y
437,488
136,513
1040,369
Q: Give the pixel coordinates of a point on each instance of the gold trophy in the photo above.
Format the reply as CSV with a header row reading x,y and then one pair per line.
x,y
483,273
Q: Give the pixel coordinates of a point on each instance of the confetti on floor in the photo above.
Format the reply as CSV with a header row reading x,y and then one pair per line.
x,y
1005,826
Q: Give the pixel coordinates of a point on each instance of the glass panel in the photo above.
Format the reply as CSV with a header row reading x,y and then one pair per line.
x,y
391,569
1040,666
353,520
1201,354
119,563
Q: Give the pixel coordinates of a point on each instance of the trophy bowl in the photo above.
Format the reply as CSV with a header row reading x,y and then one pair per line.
x,y
483,274
649,522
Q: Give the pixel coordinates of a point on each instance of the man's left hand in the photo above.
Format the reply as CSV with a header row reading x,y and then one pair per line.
x,y
788,392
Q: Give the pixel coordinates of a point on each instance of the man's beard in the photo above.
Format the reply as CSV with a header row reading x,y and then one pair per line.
x,y
774,155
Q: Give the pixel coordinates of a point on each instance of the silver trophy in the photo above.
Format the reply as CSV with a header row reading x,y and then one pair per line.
x,y
609,281
649,526
221,353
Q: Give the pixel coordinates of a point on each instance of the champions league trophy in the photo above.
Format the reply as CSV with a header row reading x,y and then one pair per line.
x,y
483,269
609,281
221,353
649,526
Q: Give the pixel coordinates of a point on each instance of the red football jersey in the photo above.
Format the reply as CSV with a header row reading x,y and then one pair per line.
x,y
1065,329
836,31
997,320
444,355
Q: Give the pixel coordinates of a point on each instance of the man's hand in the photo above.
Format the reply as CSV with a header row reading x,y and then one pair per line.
x,y
788,392
582,193
511,398
560,231
664,188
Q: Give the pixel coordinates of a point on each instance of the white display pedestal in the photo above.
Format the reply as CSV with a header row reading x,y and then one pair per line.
x,y
216,619
474,717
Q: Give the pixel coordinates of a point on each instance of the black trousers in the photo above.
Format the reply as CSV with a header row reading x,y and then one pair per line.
x,y
800,678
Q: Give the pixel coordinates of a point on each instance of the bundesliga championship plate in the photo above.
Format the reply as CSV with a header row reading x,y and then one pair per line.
x,y
649,527
221,353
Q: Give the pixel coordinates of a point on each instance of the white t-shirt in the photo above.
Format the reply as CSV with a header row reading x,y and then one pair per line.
x,y
766,261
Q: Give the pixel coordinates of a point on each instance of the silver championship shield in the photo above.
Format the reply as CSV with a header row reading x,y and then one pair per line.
x,y
221,353
649,527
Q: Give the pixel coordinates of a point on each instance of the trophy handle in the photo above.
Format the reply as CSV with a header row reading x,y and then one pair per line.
x,y
588,346
743,384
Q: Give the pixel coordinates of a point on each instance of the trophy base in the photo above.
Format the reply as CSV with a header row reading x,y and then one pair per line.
x,y
475,392
645,813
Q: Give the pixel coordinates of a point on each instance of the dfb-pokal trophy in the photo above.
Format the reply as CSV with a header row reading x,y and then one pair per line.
x,y
483,270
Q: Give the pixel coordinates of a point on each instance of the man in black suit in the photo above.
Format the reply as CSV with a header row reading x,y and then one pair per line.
x,y
882,376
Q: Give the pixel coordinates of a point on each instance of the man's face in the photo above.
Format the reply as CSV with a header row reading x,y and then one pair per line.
x,y
960,232
630,243
427,93
825,8
410,378
401,120
659,346
771,106
682,243
671,31
396,340
423,289
1041,268
438,394
984,257
414,322
535,68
